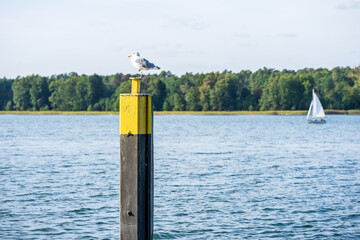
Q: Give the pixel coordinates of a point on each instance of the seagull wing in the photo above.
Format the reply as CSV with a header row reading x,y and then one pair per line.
x,y
145,64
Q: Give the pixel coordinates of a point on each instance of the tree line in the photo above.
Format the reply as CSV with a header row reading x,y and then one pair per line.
x,y
264,89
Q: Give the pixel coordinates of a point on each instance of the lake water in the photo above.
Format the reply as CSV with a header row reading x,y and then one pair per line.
x,y
216,177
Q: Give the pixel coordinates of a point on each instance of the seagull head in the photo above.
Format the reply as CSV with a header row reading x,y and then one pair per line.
x,y
134,54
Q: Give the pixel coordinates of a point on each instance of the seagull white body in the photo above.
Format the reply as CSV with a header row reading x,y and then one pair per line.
x,y
141,63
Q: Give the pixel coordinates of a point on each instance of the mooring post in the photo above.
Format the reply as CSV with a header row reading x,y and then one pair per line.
x,y
136,165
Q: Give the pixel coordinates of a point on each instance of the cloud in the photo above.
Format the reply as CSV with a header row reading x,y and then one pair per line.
x,y
352,5
185,23
286,35
282,35
246,45
241,35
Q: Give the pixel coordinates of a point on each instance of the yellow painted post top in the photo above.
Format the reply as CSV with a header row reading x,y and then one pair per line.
x,y
135,114
135,85
135,111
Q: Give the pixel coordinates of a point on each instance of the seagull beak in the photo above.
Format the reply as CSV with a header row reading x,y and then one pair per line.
x,y
129,55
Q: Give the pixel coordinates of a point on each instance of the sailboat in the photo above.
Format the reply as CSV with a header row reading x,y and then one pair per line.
x,y
316,112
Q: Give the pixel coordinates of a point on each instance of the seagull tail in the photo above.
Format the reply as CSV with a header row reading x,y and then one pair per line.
x,y
157,67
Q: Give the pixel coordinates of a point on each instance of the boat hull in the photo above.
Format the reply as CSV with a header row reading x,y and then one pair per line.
x,y
316,121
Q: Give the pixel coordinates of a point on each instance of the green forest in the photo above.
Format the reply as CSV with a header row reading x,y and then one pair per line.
x,y
264,89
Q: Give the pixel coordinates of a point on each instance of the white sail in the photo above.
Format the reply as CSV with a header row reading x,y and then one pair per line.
x,y
318,111
309,115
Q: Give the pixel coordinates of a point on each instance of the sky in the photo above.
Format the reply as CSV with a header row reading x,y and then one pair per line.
x,y
199,36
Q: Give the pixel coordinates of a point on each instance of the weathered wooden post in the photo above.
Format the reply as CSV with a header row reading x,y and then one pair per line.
x,y
136,165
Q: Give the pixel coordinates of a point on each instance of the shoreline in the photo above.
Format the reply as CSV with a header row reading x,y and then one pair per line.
x,y
274,112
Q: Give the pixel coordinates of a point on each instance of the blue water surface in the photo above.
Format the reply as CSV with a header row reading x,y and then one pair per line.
x,y
216,177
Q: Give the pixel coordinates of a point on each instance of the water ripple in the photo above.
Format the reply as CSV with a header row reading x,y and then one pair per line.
x,y
216,177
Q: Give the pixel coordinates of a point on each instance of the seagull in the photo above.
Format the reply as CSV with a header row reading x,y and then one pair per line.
x,y
141,63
